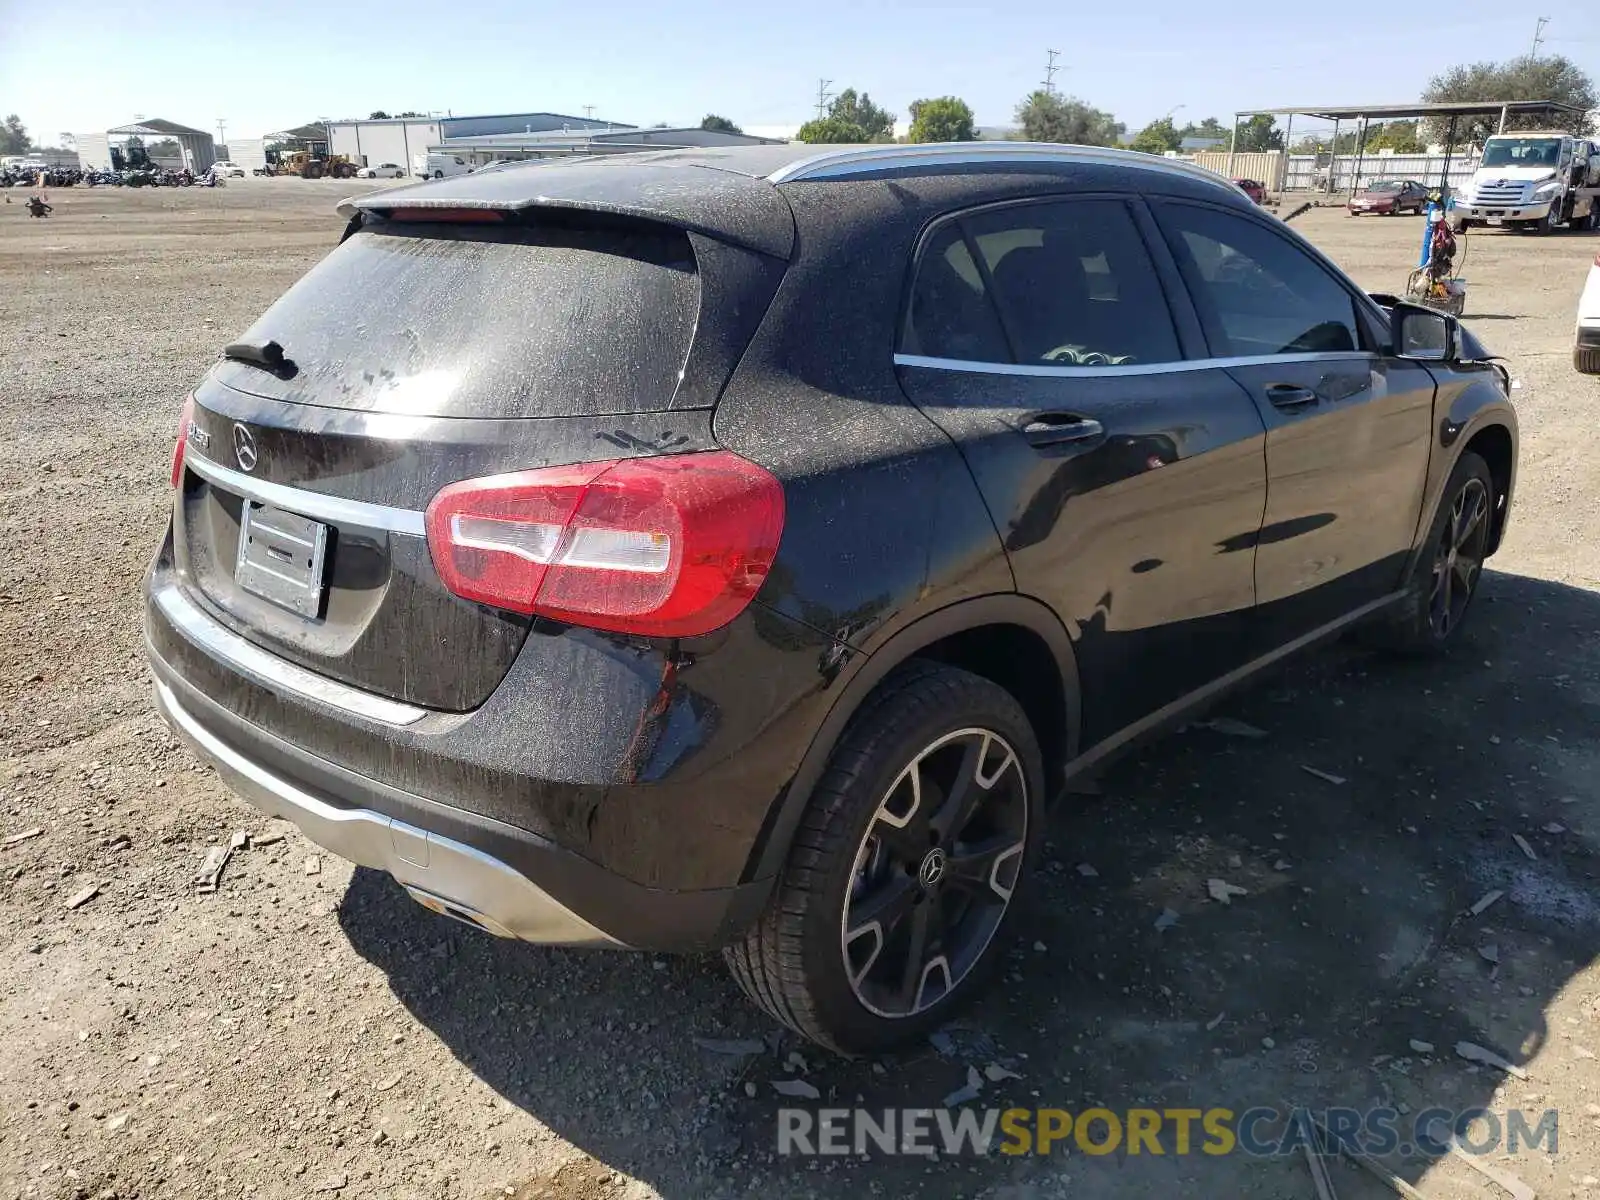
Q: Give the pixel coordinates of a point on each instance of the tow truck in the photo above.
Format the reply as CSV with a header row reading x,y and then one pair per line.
x,y
1540,180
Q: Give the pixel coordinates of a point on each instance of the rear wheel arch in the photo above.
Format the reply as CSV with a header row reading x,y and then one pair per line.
x,y
1010,639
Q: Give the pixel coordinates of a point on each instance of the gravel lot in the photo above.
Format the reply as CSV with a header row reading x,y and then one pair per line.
x,y
307,1029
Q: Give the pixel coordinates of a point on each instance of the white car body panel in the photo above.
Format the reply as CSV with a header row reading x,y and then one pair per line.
x,y
1586,337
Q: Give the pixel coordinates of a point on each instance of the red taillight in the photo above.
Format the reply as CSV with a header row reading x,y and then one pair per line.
x,y
674,546
184,418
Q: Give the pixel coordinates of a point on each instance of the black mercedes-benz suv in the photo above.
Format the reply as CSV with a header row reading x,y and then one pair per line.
x,y
737,548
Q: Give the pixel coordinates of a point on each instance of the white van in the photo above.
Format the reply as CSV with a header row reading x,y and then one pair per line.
x,y
437,166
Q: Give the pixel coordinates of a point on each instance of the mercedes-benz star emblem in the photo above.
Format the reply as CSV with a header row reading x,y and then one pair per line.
x,y
932,868
244,448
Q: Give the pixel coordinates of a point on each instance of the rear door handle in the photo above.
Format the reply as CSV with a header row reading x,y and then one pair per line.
x,y
1289,395
1054,429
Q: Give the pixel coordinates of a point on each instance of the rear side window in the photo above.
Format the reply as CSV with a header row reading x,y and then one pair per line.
x,y
1072,283
430,320
951,314
1257,293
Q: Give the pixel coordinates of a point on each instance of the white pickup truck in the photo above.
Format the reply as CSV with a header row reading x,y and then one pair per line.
x,y
1537,179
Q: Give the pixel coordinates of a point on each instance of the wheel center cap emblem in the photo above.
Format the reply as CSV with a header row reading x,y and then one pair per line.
x,y
932,869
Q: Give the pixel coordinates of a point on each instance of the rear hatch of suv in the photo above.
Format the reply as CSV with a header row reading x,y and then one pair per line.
x,y
437,345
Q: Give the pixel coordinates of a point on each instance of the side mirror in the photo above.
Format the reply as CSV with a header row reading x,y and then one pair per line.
x,y
1421,333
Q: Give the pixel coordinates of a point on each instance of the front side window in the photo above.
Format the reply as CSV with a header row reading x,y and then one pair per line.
x,y
1257,293
1064,284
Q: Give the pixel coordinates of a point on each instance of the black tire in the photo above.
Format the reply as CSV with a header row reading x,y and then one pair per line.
x,y
1586,359
1549,223
1416,627
799,961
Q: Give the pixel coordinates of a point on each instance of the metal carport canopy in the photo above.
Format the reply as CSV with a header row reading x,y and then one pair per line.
x,y
1387,112
1367,112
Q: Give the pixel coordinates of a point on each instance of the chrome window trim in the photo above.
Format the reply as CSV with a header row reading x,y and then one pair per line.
x,y
276,674
319,506
860,160
1170,368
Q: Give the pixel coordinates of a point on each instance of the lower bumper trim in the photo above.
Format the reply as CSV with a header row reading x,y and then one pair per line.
x,y
447,876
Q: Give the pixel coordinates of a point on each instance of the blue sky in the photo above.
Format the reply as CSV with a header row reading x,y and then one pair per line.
x,y
77,65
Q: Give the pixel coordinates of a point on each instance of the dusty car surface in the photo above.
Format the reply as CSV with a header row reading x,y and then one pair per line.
x,y
737,548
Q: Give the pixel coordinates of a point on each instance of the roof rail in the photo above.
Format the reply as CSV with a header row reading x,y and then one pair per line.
x,y
844,161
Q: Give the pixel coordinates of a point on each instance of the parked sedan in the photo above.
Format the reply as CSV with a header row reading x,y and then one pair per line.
x,y
738,549
1586,342
1390,197
227,170
382,171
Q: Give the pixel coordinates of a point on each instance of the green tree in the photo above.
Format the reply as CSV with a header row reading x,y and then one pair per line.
x,y
877,123
1553,78
831,130
716,124
1157,137
1209,128
1047,117
943,119
378,115
14,136
1399,136
1258,133
1318,144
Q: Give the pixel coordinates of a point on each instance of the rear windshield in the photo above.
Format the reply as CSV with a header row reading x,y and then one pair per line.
x,y
469,321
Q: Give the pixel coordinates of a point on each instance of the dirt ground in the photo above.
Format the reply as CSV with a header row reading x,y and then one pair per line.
x,y
300,1032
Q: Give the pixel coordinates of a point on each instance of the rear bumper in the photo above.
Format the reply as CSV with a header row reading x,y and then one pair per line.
x,y
610,791
506,880
448,876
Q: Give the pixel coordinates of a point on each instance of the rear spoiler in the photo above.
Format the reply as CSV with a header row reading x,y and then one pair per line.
x,y
734,208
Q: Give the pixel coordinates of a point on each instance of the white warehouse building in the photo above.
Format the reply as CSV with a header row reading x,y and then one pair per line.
x,y
407,141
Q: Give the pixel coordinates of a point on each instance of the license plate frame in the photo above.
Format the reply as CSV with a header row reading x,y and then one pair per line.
x,y
282,557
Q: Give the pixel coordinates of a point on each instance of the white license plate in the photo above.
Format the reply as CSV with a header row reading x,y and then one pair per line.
x,y
1497,220
281,557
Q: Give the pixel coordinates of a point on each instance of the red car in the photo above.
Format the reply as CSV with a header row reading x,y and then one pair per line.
x,y
1390,196
1256,191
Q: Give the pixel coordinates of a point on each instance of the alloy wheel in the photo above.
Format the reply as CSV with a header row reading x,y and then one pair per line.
x,y
934,873
1458,557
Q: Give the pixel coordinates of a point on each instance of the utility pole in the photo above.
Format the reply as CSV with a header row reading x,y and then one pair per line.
x,y
588,111
823,96
1538,36
222,132
1050,70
